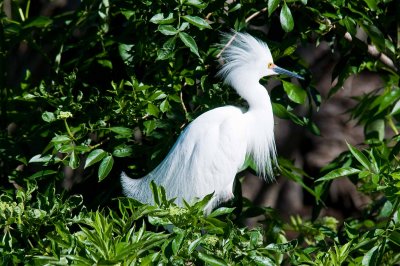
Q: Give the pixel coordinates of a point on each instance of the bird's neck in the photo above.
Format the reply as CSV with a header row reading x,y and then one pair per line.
x,y
260,123
250,89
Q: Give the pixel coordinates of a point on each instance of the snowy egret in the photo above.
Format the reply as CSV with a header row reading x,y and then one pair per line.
x,y
212,149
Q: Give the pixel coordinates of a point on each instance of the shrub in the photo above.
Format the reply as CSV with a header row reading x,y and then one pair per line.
x,y
89,91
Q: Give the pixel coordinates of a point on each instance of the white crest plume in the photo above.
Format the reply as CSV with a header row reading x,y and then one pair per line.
x,y
213,148
244,51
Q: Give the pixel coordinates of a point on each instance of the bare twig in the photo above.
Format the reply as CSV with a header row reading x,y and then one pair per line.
x,y
183,104
226,45
247,20
255,14
373,51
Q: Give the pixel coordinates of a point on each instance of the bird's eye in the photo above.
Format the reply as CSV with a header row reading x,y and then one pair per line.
x,y
270,65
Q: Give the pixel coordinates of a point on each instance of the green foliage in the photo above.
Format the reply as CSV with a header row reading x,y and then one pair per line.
x,y
108,87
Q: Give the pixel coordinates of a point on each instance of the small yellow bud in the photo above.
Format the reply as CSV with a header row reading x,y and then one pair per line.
x,y
64,115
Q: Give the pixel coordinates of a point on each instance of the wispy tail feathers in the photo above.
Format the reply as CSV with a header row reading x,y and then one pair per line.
x,y
136,188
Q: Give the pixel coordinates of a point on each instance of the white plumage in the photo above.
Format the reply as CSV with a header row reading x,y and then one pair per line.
x,y
212,149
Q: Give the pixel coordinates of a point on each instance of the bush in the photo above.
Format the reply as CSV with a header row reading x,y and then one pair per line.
x,y
108,85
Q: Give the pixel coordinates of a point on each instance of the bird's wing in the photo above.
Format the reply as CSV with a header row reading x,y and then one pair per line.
x,y
207,155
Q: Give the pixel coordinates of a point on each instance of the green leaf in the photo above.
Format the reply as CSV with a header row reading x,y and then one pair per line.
x,y
189,42
61,139
160,19
105,63
94,157
152,110
38,22
167,51
167,30
395,238
371,257
360,157
281,111
155,192
48,117
272,5
164,106
386,210
126,52
388,99
123,131
123,151
197,21
45,159
283,247
396,108
41,174
294,92
313,128
262,260
211,260
74,160
194,245
371,4
196,3
350,24
221,211
286,18
177,242
340,172
377,37
149,125
105,167
375,129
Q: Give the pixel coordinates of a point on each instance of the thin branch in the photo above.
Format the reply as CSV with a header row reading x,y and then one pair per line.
x,y
247,20
255,14
226,45
373,51
184,109
183,104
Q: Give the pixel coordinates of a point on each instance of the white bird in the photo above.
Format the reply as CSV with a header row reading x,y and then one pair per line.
x,y
212,148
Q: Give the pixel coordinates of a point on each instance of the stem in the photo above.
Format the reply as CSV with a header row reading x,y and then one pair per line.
x,y
247,20
183,104
373,51
99,144
392,125
28,7
68,129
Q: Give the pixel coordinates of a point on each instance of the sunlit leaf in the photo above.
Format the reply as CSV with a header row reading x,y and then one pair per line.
x,y
294,92
360,157
371,257
189,42
211,260
340,172
94,157
221,211
286,18
124,131
160,19
272,5
48,117
74,160
167,30
38,22
123,151
105,167
197,21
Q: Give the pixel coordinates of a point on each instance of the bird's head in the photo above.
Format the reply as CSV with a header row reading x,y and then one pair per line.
x,y
248,55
